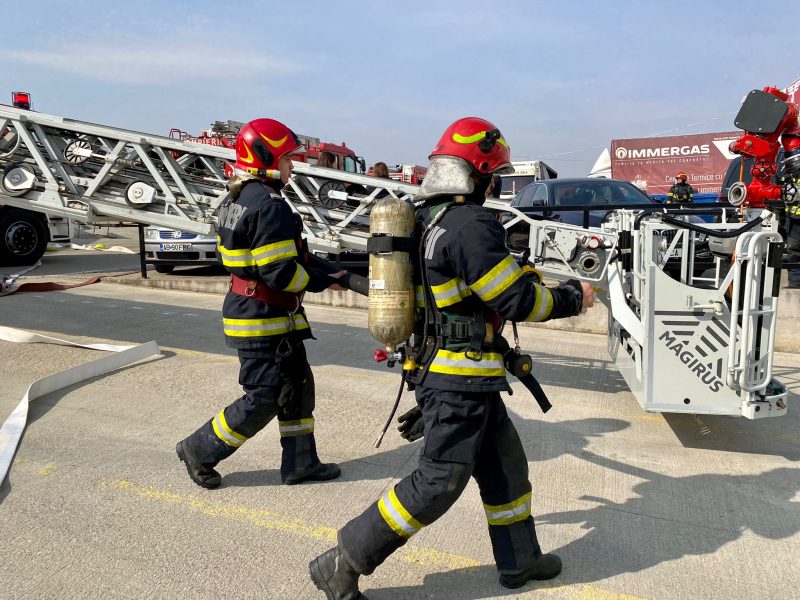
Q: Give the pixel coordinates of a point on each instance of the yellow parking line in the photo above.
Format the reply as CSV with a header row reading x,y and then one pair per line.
x,y
46,470
427,557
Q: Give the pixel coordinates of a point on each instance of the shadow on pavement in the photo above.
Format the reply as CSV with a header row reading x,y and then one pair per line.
x,y
573,438
770,436
668,518
470,583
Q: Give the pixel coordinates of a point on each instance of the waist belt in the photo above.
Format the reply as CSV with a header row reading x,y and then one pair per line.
x,y
258,290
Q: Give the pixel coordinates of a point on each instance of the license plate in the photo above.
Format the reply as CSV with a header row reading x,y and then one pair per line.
x,y
175,247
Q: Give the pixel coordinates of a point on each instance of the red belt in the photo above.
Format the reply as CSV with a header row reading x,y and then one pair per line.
x,y
258,290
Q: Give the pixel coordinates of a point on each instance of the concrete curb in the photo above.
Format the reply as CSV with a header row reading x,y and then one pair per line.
x,y
594,321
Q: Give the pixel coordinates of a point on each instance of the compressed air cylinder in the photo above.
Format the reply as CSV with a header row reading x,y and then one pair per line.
x,y
391,289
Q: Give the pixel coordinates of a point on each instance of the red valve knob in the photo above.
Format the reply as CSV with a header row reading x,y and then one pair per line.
x,y
380,355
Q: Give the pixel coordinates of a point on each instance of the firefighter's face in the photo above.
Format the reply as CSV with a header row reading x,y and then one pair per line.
x,y
285,168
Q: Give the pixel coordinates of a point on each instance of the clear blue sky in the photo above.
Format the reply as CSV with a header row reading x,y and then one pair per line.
x,y
388,77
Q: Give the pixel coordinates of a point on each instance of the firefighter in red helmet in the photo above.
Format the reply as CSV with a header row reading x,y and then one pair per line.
x,y
470,285
259,243
680,190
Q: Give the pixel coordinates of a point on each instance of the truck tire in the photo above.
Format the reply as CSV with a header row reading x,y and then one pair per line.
x,y
23,237
164,268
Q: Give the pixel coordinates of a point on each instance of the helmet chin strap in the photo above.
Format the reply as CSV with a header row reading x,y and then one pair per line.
x,y
268,173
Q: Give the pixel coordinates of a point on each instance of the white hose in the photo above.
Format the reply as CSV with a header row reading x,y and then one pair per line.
x,y
13,427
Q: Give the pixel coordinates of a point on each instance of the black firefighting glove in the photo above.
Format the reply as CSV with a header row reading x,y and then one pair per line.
x,y
411,425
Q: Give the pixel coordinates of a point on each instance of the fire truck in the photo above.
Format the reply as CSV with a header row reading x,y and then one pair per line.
x,y
684,343
24,234
223,134
406,173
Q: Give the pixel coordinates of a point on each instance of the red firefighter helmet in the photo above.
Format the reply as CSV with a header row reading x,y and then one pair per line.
x,y
682,175
478,142
261,143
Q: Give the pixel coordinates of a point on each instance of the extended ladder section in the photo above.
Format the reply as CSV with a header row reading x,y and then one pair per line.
x,y
84,171
87,172
335,205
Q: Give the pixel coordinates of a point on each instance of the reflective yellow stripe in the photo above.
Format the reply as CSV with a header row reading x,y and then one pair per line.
x,y
235,258
505,514
499,278
274,143
450,292
419,296
297,427
476,137
299,280
455,363
274,252
543,305
262,327
396,516
225,433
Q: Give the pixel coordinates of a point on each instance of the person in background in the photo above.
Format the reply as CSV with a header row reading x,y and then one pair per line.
x,y
495,185
680,190
327,159
380,170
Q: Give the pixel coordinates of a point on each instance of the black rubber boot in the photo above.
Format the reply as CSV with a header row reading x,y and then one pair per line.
x,y
546,566
202,476
318,472
334,575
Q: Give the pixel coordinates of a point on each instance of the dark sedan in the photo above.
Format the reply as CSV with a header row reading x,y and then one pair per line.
x,y
545,197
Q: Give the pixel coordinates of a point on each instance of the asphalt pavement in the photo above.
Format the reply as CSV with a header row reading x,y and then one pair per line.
x,y
638,505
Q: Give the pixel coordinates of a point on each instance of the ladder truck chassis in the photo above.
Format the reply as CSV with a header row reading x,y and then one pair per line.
x,y
686,343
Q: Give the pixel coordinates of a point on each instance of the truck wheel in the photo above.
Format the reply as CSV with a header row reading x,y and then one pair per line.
x,y
165,268
23,237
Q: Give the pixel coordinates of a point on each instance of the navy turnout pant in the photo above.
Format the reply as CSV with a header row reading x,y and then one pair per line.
x,y
466,435
273,386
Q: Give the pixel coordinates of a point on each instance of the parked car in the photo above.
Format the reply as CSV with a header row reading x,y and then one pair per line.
x,y
167,248
576,192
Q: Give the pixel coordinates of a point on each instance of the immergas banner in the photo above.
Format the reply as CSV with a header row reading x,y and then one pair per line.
x,y
652,163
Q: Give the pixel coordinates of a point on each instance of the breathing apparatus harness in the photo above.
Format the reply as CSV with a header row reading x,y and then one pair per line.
x,y
472,329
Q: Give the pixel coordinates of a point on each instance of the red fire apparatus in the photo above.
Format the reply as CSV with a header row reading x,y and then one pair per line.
x,y
405,173
223,133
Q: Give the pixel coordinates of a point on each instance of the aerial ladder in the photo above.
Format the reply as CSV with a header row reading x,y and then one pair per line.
x,y
685,341
89,172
